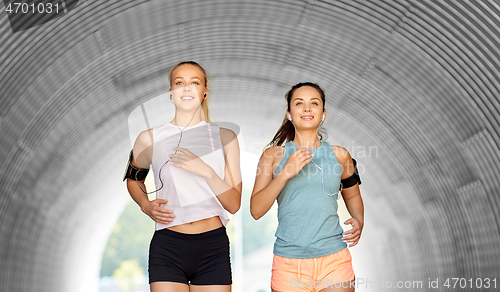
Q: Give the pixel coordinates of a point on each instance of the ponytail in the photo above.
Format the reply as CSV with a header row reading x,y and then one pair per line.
x,y
285,133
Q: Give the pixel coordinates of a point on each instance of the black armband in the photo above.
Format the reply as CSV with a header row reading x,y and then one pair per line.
x,y
353,179
135,173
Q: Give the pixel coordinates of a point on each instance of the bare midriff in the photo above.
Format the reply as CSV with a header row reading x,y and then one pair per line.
x,y
199,226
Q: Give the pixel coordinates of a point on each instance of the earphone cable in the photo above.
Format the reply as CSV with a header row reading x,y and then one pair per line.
x,y
178,143
322,174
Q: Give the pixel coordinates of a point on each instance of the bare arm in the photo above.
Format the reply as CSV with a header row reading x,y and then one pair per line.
x,y
228,191
143,149
352,198
266,189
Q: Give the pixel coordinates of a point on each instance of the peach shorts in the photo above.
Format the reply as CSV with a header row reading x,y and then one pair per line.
x,y
312,274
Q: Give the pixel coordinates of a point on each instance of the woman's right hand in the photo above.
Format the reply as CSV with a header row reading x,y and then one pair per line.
x,y
296,162
159,214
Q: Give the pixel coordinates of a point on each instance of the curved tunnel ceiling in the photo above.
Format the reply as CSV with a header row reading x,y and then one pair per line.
x,y
412,92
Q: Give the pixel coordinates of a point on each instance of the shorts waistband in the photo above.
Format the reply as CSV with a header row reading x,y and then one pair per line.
x,y
180,235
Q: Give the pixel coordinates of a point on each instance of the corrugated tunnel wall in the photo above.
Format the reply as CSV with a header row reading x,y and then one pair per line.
x,y
418,81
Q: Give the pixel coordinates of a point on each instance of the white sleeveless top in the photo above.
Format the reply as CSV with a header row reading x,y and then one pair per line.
x,y
189,196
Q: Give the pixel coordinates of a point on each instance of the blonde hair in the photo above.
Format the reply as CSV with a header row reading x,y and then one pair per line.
x,y
204,105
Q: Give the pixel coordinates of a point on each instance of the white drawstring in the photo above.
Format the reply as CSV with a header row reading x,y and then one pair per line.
x,y
314,270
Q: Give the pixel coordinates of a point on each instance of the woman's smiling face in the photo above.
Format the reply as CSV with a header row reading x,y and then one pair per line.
x,y
306,107
188,86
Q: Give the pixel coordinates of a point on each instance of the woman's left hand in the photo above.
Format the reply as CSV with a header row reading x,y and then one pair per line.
x,y
352,235
191,162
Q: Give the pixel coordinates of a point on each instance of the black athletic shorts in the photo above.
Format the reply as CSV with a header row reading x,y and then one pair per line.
x,y
198,259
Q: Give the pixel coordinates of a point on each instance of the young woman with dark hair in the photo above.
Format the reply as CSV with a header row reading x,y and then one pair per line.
x,y
305,175
198,180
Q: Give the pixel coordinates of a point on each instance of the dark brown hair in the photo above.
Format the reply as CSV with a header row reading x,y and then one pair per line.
x,y
204,105
287,131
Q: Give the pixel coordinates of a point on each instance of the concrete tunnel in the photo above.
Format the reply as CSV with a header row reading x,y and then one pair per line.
x,y
418,81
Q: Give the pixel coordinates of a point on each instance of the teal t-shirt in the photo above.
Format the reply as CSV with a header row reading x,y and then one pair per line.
x,y
308,223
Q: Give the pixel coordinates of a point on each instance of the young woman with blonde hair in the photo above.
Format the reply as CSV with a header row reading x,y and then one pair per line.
x,y
197,175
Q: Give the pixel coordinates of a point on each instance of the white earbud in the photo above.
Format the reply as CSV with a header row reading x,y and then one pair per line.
x,y
289,117
323,118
